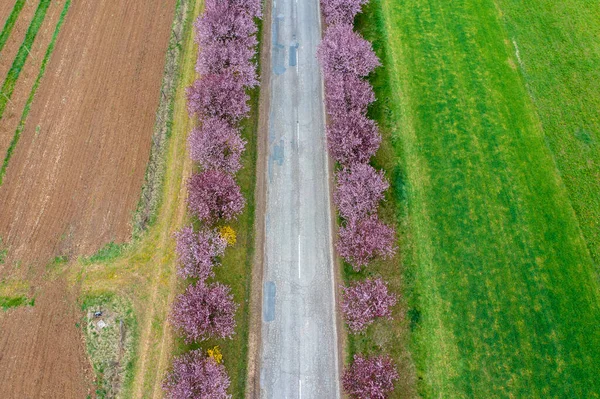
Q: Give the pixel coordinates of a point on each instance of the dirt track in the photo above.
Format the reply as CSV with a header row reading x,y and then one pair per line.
x,y
75,177
74,182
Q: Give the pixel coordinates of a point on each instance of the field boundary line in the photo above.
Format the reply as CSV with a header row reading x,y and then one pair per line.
x,y
25,114
22,55
10,22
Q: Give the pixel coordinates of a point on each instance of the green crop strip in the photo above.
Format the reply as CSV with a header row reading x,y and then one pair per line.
x,y
10,22
27,108
15,70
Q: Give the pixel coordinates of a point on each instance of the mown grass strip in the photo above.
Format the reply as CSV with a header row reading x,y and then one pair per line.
x,y
15,70
27,108
10,22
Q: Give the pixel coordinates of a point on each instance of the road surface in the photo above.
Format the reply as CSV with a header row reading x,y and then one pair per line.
x,y
299,354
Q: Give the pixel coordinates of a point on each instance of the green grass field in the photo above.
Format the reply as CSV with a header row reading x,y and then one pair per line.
x,y
501,289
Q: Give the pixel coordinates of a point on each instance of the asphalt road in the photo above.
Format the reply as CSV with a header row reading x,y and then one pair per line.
x,y
299,354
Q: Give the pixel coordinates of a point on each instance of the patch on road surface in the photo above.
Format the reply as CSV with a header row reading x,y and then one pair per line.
x,y
269,301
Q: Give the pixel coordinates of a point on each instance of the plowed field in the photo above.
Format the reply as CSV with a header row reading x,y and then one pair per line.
x,y
74,178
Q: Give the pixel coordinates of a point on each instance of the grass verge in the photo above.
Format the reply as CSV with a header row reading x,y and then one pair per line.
x,y
15,70
25,114
110,341
10,22
500,287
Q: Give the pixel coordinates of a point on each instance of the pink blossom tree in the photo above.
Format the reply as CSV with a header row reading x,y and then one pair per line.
x,y
218,96
231,57
370,378
224,20
361,241
364,301
354,138
194,376
197,252
341,11
359,188
347,93
204,311
216,145
214,195
344,51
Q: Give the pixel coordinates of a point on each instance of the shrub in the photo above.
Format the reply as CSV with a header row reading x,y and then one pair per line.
x,y
361,241
370,378
353,139
214,195
363,301
197,252
204,311
196,376
344,51
217,145
359,188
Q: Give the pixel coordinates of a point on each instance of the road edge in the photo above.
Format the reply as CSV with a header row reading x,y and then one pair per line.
x,y
255,323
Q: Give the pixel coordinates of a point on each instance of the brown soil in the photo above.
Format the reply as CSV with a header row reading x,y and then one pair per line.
x,y
5,10
12,113
16,35
74,182
42,354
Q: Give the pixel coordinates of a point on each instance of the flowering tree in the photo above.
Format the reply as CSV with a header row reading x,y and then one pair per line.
x,y
217,145
214,195
197,252
195,375
218,96
363,301
224,20
205,311
347,93
354,138
358,190
359,242
370,378
341,11
231,57
345,51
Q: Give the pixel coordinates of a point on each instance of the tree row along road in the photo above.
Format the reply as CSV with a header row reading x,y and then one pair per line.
x,y
299,354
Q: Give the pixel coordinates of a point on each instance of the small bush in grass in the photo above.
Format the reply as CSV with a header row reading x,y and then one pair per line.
x,y
205,311
196,376
359,188
364,301
197,252
360,242
370,378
